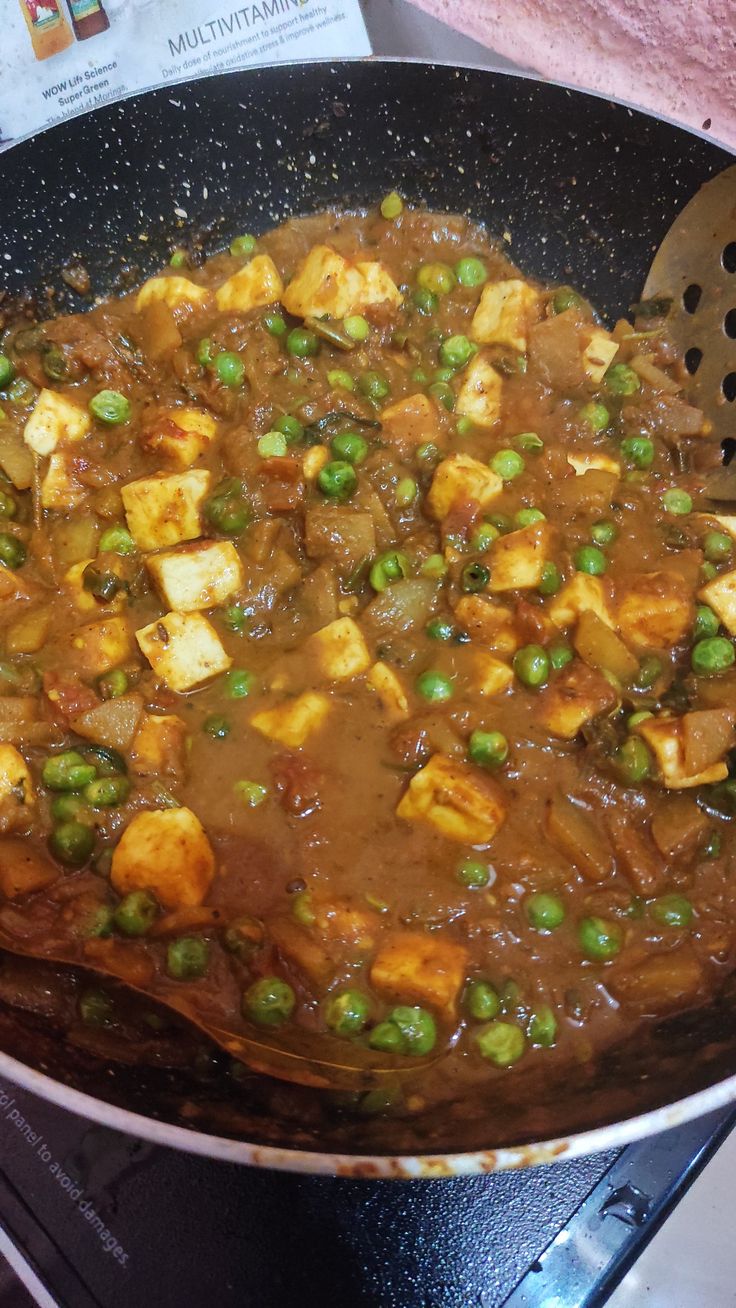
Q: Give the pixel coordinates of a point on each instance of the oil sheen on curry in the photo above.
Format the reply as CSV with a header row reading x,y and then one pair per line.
x,y
367,666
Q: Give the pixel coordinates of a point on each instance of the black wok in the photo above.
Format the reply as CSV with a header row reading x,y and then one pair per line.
x,y
582,190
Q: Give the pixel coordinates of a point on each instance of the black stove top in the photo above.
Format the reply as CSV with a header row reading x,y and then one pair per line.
x,y
105,1220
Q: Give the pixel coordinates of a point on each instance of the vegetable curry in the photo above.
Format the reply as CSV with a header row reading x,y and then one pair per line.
x,y
367,663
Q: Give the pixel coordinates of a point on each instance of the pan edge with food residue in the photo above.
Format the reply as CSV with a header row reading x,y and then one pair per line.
x,y
368,692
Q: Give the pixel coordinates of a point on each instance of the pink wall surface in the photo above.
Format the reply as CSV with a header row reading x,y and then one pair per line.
x,y
675,57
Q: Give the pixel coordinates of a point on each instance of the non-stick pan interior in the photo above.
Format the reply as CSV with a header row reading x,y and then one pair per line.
x,y
579,189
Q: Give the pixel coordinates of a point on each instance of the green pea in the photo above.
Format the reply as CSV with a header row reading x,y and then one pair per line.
x,y
443,374
69,807
560,656
489,749
434,567
7,370
435,687
386,1038
238,683
67,771
436,277
672,910
203,353
483,537
350,447
338,480
187,958
589,559
269,1001
302,343
374,386
272,445
440,629
442,393
596,415
357,327
507,464
425,301
12,551
501,1043
620,379
229,368
708,571
473,873
252,793
712,846
717,546
339,379
428,453
531,665
72,843
634,719
650,670
391,206
456,351
542,1030
551,579
20,391
243,246
529,517
711,656
600,940
226,509
706,623
417,1028
565,298
481,1001
95,1007
677,502
388,568
109,762
406,492
638,451
235,618
527,442
274,324
474,578
347,1012
8,506
470,271
502,522
216,726
136,913
544,912
110,407
107,792
633,760
290,427
604,533
117,540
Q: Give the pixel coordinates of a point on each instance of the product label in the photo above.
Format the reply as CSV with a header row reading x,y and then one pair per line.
x,y
44,14
84,8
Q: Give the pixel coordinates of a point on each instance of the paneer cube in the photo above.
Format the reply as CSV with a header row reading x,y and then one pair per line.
x,y
411,421
175,292
667,739
488,675
197,576
419,968
99,646
655,610
489,623
576,696
720,594
461,478
61,491
55,420
581,594
339,650
165,851
84,600
293,722
454,799
183,649
582,462
378,285
386,683
166,509
504,313
158,748
182,435
16,790
481,389
517,560
598,355
258,282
